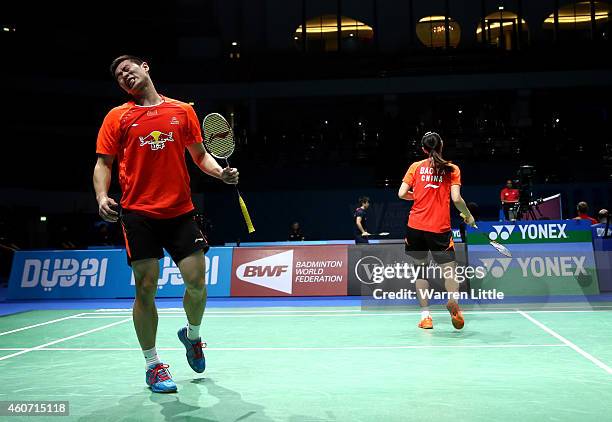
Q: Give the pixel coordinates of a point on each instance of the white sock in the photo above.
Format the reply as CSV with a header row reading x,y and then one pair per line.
x,y
425,312
151,357
193,331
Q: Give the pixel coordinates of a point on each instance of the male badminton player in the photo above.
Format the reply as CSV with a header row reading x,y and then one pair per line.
x,y
432,183
361,219
149,135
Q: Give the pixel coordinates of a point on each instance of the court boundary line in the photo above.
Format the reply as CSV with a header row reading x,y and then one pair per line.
x,y
296,348
323,311
265,314
41,324
568,343
83,333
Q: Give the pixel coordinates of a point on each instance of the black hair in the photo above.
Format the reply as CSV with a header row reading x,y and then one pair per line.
x,y
118,60
363,200
432,143
582,207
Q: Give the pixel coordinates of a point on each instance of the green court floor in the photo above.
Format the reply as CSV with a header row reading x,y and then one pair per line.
x,y
529,363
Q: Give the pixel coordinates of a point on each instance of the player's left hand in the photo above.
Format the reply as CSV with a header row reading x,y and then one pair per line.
x,y
229,175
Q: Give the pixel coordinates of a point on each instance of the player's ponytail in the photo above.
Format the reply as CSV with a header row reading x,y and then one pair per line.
x,y
432,144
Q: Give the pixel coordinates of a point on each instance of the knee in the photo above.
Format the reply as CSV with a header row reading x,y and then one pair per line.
x,y
146,288
195,284
422,283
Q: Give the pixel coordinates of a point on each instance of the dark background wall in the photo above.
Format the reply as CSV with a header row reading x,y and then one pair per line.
x,y
315,130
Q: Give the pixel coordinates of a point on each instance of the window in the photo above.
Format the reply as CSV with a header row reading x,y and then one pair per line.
x,y
501,30
322,34
431,31
575,20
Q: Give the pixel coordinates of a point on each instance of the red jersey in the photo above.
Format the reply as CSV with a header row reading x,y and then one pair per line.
x,y
582,216
431,209
149,143
509,195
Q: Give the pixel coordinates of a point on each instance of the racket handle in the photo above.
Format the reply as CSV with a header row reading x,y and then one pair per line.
x,y
245,214
462,215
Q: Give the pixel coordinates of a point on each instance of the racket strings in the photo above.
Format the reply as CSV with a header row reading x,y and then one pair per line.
x,y
501,248
219,137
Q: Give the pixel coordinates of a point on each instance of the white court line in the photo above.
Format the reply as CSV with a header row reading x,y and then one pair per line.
x,y
288,311
130,349
31,349
42,323
568,343
284,311
264,314
331,311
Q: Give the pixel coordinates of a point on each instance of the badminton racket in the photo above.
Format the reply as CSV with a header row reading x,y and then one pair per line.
x,y
498,246
219,142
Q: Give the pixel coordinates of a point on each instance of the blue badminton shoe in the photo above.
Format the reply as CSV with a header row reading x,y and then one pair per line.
x,y
160,379
195,354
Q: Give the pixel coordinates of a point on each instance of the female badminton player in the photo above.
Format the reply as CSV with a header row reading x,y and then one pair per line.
x,y
432,183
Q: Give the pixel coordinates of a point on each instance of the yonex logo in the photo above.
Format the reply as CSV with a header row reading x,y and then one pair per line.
x,y
539,266
543,231
67,272
274,272
496,266
365,267
502,232
559,266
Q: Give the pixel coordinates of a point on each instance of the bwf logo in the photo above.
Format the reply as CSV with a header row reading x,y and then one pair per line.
x,y
274,272
502,232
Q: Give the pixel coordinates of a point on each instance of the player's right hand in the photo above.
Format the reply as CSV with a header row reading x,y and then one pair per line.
x,y
365,234
469,220
107,209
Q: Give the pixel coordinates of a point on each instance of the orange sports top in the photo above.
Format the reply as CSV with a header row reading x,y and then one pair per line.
x,y
431,209
149,143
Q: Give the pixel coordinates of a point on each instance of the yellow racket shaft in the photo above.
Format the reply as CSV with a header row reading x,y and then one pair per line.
x,y
245,214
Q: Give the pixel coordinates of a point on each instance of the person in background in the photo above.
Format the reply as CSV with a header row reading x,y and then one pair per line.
x,y
583,212
509,198
65,239
295,232
602,216
102,234
361,218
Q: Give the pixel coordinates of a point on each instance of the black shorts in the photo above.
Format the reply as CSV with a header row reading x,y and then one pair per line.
x,y
146,237
419,243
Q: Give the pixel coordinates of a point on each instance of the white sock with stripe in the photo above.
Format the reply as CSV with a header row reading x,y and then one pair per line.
x,y
151,357
193,331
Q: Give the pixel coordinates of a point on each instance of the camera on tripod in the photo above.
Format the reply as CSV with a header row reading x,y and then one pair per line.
x,y
527,205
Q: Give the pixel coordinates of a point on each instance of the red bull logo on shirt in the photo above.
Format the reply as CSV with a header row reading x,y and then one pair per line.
x,y
156,139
